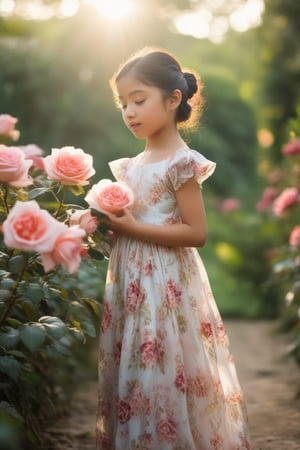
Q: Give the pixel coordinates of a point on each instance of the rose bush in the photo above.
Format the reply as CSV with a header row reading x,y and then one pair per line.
x,y
44,312
280,209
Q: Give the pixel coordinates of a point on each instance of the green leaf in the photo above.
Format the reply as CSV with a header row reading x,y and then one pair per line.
x,y
66,341
4,406
9,338
78,334
95,254
14,322
4,294
16,263
88,328
35,292
62,349
33,335
98,214
76,190
36,192
55,327
94,305
10,366
7,283
29,309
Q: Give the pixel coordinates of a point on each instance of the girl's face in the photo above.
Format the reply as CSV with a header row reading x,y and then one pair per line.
x,y
145,111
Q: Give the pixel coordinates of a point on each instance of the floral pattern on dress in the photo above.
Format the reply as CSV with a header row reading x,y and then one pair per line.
x,y
167,380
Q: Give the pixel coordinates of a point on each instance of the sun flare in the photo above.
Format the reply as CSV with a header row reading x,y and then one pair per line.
x,y
114,10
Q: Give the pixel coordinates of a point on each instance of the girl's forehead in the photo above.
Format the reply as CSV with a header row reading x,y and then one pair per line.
x,y
129,85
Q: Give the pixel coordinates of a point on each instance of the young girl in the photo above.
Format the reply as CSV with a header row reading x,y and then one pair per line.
x,y
167,380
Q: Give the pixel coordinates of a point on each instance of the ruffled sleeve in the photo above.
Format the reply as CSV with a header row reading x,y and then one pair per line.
x,y
118,168
188,164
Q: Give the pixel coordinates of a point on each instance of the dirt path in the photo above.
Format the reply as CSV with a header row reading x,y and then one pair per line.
x,y
268,379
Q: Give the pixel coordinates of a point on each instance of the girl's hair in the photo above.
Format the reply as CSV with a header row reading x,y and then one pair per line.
x,y
161,69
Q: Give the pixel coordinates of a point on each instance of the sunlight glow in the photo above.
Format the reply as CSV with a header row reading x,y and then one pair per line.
x,y
114,10
69,8
194,23
201,23
6,7
247,15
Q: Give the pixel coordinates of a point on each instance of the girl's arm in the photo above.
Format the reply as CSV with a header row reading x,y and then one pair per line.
x,y
190,233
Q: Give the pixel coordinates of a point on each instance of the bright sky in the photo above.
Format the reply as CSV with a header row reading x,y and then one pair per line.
x,y
201,22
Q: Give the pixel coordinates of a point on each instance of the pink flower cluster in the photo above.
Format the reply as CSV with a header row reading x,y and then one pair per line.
x,y
292,148
229,205
287,199
7,127
295,237
268,196
32,229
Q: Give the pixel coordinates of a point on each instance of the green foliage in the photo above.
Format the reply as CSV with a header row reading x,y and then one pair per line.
x,y
45,317
234,256
227,135
280,91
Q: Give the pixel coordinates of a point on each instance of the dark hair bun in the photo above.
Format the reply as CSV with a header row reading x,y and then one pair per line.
x,y
191,82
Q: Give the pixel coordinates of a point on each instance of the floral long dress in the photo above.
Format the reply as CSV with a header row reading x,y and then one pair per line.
x,y
167,380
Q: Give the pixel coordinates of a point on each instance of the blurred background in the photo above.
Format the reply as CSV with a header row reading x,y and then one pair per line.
x,y
56,59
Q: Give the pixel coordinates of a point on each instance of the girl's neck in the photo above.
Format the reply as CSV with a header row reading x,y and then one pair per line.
x,y
167,144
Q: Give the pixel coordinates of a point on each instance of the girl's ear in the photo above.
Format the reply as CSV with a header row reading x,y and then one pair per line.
x,y
175,99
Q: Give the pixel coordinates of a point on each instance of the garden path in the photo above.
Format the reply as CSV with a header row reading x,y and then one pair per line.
x,y
269,380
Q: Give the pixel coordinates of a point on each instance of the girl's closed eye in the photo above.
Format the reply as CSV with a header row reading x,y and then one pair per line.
x,y
139,102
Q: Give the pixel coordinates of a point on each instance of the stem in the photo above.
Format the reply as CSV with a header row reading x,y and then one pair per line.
x,y
11,299
61,203
4,196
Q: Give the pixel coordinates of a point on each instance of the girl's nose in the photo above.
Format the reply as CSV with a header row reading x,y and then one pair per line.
x,y
129,111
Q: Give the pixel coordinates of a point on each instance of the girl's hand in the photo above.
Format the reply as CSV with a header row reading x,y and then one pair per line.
x,y
123,223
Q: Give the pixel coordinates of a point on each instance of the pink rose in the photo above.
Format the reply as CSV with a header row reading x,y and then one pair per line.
x,y
66,250
292,148
109,197
288,198
34,153
7,127
269,194
69,165
84,219
295,236
230,204
14,167
30,228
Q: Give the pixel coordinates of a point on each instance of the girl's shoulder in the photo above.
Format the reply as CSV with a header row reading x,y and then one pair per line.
x,y
187,163
186,155
119,167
